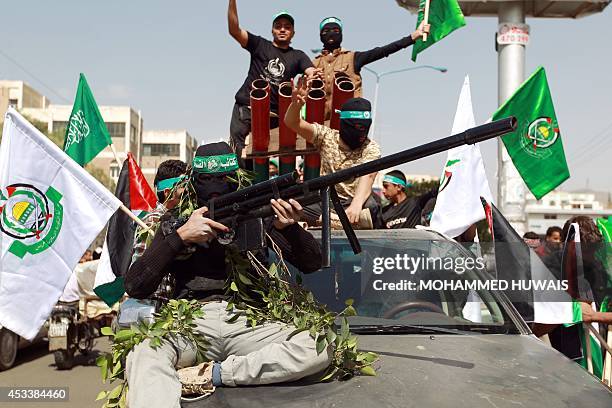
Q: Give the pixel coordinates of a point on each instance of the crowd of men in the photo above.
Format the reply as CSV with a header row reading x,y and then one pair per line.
x,y
264,354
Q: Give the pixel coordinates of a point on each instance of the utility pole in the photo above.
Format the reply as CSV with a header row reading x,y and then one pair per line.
x,y
512,38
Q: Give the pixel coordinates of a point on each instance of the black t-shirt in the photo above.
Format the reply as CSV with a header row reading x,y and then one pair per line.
x,y
276,65
406,214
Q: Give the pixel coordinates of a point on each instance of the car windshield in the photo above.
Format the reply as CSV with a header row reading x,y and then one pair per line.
x,y
410,282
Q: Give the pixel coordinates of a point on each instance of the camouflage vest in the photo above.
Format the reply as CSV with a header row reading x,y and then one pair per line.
x,y
340,60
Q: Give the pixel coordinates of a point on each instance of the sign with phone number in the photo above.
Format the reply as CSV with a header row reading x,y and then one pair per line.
x,y
25,394
510,33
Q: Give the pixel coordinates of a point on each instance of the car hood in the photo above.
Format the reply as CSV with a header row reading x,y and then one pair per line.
x,y
440,371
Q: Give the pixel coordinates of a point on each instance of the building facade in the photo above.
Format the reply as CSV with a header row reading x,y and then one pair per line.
x,y
557,207
20,95
125,126
161,145
123,123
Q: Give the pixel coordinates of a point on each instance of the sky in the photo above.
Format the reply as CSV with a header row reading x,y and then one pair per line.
x,y
177,64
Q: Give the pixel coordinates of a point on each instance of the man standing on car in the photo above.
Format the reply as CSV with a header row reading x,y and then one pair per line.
x,y
274,61
335,59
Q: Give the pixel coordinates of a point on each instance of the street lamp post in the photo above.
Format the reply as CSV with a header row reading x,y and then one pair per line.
x,y
379,76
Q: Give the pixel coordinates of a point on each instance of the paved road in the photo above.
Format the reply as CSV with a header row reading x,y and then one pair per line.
x,y
35,367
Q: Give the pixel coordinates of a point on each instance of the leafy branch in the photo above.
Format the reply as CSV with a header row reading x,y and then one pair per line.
x,y
270,296
175,320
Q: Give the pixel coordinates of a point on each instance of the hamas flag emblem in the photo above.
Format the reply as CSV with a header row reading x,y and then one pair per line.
x,y
78,129
448,175
542,133
31,218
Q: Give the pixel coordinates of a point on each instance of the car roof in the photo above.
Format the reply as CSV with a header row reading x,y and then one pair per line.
x,y
403,234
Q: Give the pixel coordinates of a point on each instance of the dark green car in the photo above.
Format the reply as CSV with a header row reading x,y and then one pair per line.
x,y
438,347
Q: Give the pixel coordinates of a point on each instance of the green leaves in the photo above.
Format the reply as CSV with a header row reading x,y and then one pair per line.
x,y
321,343
107,331
103,361
367,370
175,318
102,395
116,392
123,335
344,330
244,279
331,336
270,296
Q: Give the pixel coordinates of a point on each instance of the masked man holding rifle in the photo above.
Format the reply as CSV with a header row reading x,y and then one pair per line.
x,y
242,355
274,61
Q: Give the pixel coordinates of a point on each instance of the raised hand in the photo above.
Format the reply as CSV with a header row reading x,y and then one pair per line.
x,y
421,29
300,91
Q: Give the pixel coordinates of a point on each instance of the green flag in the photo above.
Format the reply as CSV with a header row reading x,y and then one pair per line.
x,y
605,227
604,254
535,147
86,133
445,16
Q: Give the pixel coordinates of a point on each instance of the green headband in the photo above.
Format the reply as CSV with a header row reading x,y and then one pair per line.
x,y
355,114
168,183
329,20
215,164
395,180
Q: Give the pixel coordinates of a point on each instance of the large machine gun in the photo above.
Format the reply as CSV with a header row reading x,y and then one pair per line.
x,y
243,210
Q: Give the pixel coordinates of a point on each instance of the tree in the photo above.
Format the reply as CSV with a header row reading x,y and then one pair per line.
x,y
419,188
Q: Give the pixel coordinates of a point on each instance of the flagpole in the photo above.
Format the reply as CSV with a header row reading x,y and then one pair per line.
x,y
607,375
112,146
133,217
599,338
426,18
587,341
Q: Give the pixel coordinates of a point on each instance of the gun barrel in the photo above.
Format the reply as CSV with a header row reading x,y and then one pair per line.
x,y
259,189
254,201
266,210
470,136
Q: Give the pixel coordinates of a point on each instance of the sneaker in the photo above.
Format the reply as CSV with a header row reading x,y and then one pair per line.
x,y
196,382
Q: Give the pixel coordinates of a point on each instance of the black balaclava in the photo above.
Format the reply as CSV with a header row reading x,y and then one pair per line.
x,y
331,40
349,121
212,163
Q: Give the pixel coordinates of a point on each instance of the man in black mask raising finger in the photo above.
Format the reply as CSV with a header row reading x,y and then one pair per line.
x,y
341,149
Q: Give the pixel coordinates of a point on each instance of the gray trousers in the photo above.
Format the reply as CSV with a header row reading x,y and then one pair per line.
x,y
248,356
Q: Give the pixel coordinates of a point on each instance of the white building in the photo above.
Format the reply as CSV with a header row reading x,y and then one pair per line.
x,y
20,95
124,125
557,207
161,145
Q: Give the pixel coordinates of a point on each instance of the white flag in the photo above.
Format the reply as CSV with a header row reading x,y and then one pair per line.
x,y
463,181
51,210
